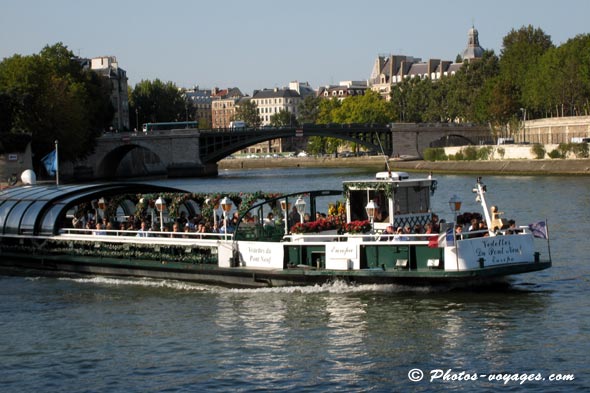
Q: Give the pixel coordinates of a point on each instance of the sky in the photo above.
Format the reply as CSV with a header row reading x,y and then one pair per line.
x,y
258,44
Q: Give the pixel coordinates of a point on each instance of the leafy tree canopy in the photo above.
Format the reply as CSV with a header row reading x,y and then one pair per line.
x,y
49,96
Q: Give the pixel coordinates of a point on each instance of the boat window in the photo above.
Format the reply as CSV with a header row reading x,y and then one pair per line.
x,y
48,227
12,224
28,222
358,202
412,200
5,209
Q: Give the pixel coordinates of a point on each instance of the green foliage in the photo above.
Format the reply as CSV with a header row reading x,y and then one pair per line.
x,y
308,109
470,153
157,101
11,143
483,153
501,152
580,150
435,154
51,97
248,112
555,154
538,150
283,118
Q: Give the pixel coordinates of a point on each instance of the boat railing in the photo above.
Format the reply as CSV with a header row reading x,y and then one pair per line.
x,y
420,238
148,237
501,232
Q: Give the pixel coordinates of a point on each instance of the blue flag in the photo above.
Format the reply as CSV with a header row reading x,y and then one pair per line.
x,y
50,163
539,229
450,238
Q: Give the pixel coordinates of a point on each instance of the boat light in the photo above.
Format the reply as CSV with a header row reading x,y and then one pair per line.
x,y
455,203
160,204
284,205
226,204
371,208
300,206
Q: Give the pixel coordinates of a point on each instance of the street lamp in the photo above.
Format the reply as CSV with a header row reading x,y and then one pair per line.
x,y
300,206
161,206
226,207
285,207
371,208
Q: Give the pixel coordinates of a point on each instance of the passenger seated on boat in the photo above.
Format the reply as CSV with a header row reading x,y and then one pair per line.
x,y
176,230
435,223
143,230
459,231
512,228
406,231
269,221
99,230
388,234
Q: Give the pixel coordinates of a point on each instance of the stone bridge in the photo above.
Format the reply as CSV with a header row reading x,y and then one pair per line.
x,y
195,153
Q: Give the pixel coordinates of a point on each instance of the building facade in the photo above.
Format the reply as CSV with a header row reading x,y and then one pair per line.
x,y
108,67
391,69
201,101
272,101
343,90
223,106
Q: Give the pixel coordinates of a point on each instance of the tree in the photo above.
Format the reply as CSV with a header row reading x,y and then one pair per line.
x,y
522,49
247,111
369,108
53,98
283,118
559,83
309,109
157,101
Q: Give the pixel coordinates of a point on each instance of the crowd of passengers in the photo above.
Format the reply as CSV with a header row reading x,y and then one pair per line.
x,y
145,227
471,223
468,225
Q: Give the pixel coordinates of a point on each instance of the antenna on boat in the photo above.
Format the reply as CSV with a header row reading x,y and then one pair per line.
x,y
383,152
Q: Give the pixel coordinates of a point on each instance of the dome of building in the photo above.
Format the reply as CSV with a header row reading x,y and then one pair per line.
x,y
473,50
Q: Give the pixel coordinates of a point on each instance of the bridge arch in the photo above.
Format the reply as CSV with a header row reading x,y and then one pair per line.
x,y
130,160
215,146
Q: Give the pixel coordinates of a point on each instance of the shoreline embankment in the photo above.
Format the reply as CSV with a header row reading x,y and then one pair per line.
x,y
498,167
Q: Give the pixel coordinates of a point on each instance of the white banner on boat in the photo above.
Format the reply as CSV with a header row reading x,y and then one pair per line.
x,y
342,256
494,251
257,254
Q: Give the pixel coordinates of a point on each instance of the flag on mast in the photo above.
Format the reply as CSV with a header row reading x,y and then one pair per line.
x,y
50,163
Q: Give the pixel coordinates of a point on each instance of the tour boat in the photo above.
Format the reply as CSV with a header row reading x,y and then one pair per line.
x,y
305,238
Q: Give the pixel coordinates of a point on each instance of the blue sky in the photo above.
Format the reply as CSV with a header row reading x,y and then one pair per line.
x,y
259,44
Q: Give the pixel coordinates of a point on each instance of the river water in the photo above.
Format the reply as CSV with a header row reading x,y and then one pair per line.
x,y
97,334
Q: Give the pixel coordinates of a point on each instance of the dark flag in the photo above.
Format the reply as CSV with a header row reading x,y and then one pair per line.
x,y
539,229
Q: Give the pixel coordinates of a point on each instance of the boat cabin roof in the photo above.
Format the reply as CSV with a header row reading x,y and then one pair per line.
x,y
39,209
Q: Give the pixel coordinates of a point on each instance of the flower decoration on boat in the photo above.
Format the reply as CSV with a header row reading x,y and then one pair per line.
x,y
323,224
358,226
338,209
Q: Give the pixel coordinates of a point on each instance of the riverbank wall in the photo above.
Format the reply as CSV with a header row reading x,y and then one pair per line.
x,y
499,167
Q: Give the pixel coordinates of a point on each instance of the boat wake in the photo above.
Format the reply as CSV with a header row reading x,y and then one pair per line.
x,y
336,287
